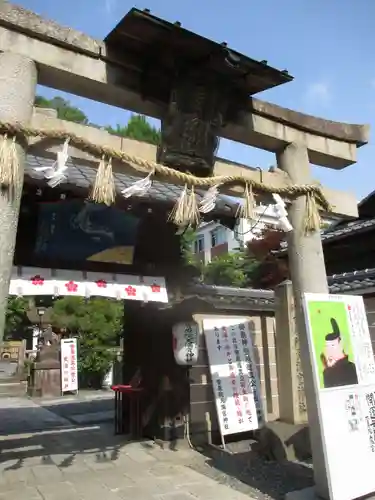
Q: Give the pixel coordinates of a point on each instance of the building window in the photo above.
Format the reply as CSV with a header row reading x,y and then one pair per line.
x,y
218,236
199,244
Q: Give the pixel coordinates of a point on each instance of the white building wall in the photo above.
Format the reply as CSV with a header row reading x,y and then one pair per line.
x,y
245,230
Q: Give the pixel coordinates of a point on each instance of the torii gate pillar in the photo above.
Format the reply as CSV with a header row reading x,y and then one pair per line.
x,y
18,78
308,274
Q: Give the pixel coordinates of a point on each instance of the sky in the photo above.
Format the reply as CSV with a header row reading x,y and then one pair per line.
x,y
327,45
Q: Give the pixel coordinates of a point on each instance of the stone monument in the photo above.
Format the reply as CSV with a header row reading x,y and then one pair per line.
x,y
45,379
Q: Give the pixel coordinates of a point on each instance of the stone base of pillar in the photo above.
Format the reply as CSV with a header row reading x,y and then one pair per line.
x,y
280,441
306,494
45,381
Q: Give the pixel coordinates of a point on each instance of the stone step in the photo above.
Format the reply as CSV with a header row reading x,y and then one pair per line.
x,y
12,389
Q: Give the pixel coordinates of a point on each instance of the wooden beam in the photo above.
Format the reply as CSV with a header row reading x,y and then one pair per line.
x,y
344,204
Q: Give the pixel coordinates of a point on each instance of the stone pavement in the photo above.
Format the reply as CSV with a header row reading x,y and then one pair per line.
x,y
67,462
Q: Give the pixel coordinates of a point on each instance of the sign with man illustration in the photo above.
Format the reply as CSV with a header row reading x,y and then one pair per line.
x,y
338,367
343,367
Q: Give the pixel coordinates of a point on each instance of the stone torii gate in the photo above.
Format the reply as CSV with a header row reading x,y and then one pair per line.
x,y
34,50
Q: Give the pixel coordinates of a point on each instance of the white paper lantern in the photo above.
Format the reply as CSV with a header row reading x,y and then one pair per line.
x,y
185,343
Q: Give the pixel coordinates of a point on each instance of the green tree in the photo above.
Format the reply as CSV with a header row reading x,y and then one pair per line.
x,y
65,111
230,269
16,318
97,324
137,128
187,241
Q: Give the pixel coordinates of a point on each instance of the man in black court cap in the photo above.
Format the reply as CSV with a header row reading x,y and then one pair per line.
x,y
338,370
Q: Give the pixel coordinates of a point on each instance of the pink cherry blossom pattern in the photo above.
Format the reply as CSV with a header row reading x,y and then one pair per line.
x,y
71,286
131,291
101,284
37,280
155,288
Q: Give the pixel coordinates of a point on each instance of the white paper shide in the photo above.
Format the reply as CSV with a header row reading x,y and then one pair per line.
x,y
234,374
69,369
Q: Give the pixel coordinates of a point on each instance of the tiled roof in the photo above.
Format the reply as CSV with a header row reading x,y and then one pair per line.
x,y
343,229
83,176
339,230
353,281
223,297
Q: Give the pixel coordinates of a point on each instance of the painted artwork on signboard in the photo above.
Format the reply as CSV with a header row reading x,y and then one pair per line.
x,y
341,354
332,344
74,230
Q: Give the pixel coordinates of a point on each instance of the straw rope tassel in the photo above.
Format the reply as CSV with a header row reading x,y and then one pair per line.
x,y
312,218
104,189
247,209
178,212
10,175
192,216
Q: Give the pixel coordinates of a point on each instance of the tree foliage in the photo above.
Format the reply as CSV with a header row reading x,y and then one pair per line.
x,y
65,111
137,128
272,269
97,323
187,241
15,317
230,269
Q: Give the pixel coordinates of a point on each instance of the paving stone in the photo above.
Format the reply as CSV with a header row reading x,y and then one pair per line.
x,y
22,493
92,464
57,491
114,480
140,456
161,470
16,476
45,474
214,492
175,496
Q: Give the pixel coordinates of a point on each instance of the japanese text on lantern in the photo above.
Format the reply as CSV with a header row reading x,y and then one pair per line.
x,y
370,419
189,343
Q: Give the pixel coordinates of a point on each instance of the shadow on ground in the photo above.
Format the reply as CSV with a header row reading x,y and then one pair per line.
x,y
102,407
248,469
59,444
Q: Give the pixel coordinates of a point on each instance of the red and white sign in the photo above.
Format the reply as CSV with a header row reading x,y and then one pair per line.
x,y
234,374
31,281
69,370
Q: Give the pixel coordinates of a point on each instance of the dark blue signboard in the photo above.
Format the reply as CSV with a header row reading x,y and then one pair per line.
x,y
80,231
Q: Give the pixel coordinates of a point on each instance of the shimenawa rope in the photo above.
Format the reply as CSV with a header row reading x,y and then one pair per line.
x,y
186,210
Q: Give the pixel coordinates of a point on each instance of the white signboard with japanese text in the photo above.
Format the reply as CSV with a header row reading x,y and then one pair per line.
x,y
69,370
185,343
234,374
344,377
